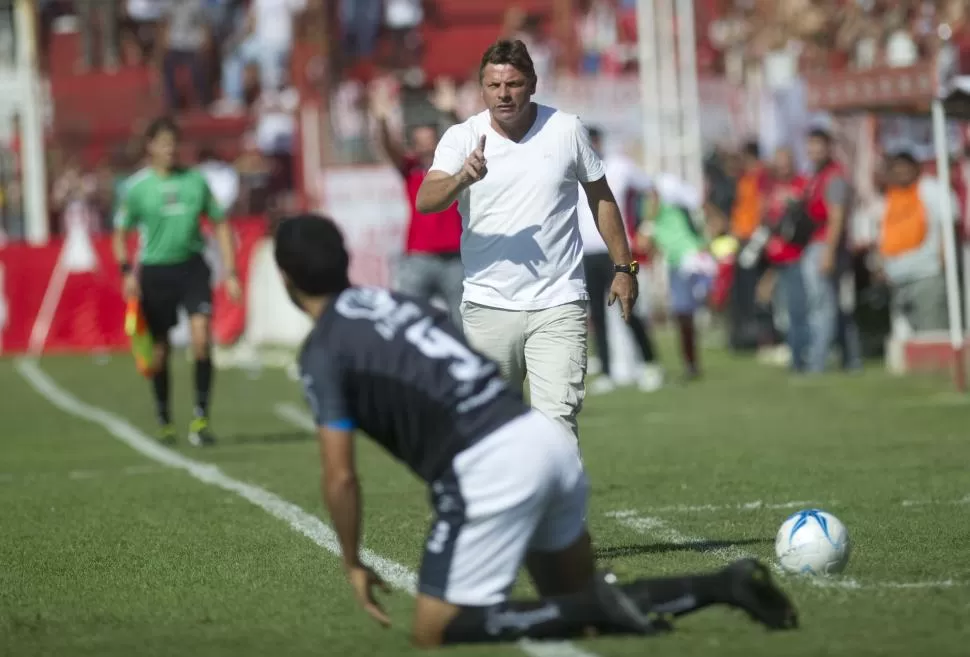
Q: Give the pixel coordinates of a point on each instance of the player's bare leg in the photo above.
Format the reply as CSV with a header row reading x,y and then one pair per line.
x,y
567,571
199,432
581,603
160,389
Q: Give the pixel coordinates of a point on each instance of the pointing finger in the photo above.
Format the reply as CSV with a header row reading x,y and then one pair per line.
x,y
481,143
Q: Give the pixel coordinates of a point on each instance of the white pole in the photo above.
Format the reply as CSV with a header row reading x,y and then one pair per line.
x,y
649,85
671,141
966,243
949,242
32,126
690,104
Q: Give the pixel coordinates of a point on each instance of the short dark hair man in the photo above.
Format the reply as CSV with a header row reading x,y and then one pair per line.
x,y
507,482
515,170
166,202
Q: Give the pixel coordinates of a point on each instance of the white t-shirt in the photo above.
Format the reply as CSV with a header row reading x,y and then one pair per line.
x,y
403,14
623,176
273,21
520,242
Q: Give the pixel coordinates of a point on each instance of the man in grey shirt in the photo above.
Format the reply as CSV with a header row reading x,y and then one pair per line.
x,y
826,263
184,38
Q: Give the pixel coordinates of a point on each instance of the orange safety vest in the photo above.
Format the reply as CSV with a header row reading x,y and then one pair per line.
x,y
904,222
746,213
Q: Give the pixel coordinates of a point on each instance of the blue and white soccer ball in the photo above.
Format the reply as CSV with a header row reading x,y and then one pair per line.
x,y
813,542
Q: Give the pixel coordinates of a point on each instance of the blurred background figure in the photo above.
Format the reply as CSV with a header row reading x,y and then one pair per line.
x,y
628,182
825,262
430,266
669,231
910,232
785,189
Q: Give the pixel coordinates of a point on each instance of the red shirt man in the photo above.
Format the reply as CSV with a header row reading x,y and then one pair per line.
x,y
783,186
431,265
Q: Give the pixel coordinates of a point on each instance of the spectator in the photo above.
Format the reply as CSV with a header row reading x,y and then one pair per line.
x,y
99,17
745,329
403,19
670,231
267,42
431,265
185,38
276,132
140,26
598,33
911,245
626,180
222,178
785,188
255,175
360,22
826,259
74,198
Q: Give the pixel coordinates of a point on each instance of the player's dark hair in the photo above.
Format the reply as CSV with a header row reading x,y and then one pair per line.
x,y
594,132
514,53
423,126
820,133
310,251
751,149
161,125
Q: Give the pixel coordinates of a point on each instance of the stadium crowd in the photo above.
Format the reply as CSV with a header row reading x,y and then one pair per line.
x,y
236,54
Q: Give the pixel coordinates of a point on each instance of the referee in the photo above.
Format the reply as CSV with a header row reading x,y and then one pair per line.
x,y
166,203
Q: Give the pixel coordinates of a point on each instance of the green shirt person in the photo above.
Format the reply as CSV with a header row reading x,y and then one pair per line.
x,y
165,203
670,231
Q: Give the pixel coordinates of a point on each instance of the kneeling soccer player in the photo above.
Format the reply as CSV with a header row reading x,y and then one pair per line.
x,y
507,483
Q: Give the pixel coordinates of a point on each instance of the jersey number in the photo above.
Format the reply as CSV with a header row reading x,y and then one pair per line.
x,y
435,343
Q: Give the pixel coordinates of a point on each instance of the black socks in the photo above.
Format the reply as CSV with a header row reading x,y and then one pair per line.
x,y
578,614
562,617
160,387
203,386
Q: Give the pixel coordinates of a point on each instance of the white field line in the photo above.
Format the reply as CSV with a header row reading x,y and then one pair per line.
x,y
80,475
960,502
395,574
756,505
661,530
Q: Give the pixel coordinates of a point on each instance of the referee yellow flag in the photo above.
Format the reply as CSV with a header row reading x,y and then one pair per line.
x,y
142,345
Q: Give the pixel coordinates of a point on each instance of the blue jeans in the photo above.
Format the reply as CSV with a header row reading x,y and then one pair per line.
x,y
270,58
361,22
826,318
791,285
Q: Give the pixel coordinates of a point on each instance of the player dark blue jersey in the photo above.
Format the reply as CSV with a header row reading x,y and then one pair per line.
x,y
398,370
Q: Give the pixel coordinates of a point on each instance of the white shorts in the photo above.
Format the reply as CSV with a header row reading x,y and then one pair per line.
x,y
522,488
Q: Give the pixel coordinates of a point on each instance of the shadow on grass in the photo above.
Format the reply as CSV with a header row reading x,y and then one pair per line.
x,y
617,551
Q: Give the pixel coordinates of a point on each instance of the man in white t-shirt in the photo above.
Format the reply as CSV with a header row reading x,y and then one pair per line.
x,y
515,170
625,178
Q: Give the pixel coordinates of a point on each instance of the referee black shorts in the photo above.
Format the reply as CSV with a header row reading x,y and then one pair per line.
x,y
166,288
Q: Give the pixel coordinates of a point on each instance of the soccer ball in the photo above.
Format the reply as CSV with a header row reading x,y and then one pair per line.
x,y
813,542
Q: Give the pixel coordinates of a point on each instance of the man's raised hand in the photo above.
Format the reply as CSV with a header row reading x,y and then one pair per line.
x,y
474,168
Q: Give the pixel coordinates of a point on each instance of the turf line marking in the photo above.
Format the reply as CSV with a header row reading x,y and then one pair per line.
x,y
757,505
83,474
395,574
959,502
294,415
661,530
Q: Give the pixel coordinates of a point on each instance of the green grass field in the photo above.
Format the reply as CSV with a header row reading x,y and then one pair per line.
x,y
113,546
